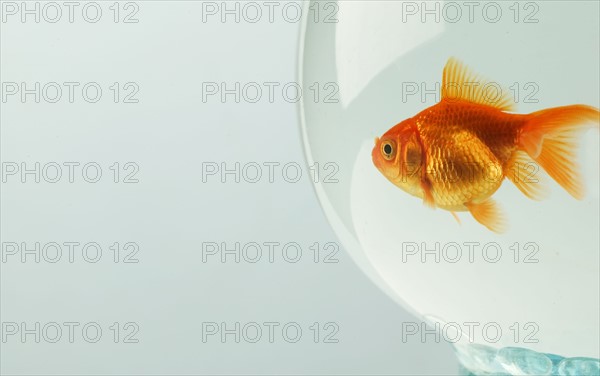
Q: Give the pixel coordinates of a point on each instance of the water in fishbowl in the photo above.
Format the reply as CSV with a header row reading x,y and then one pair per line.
x,y
525,301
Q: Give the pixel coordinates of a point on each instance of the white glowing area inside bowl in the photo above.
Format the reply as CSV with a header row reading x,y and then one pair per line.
x,y
523,285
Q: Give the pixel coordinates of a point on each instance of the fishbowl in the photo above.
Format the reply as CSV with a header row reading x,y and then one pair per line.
x,y
524,301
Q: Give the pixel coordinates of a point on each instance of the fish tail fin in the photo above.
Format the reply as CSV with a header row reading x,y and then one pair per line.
x,y
549,137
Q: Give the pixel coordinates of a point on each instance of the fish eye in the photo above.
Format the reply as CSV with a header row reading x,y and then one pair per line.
x,y
387,149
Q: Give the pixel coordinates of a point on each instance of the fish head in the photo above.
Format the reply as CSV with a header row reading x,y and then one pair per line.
x,y
397,155
385,153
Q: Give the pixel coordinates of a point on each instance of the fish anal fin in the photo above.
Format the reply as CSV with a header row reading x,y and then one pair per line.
x,y
531,143
460,83
488,214
526,175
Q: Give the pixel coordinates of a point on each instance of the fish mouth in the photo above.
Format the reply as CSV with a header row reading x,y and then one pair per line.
x,y
375,155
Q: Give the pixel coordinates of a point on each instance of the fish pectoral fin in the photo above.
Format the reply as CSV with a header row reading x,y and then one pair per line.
x,y
456,217
428,198
459,82
427,195
526,175
488,214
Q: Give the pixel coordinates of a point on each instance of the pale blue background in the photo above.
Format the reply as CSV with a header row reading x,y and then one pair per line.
x,y
169,53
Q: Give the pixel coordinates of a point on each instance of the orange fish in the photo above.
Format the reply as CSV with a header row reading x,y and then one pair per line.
x,y
455,154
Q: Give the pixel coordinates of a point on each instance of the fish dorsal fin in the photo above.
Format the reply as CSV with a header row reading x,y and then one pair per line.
x,y
459,82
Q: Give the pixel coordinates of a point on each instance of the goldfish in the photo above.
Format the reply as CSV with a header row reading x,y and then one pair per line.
x,y
455,154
